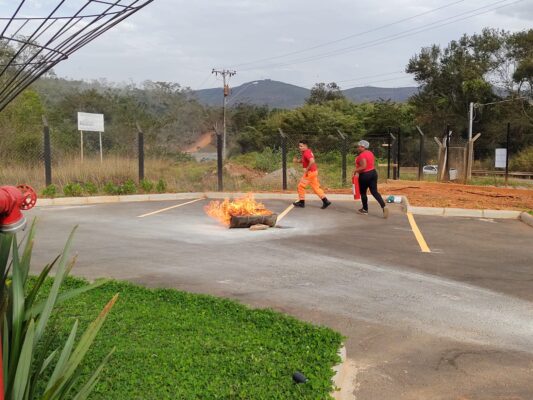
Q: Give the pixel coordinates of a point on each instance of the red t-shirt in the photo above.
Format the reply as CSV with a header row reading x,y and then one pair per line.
x,y
306,157
369,157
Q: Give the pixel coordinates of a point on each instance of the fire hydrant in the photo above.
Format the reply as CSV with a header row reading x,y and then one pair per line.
x,y
12,201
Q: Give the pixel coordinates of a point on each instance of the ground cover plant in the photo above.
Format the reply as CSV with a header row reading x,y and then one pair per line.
x,y
175,345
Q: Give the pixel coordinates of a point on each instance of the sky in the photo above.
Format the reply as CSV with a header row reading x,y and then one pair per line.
x,y
301,42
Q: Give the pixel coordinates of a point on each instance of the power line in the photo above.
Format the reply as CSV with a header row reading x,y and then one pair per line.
x,y
350,36
390,38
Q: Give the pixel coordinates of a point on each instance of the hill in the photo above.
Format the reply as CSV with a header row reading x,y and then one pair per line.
x,y
277,94
371,93
263,92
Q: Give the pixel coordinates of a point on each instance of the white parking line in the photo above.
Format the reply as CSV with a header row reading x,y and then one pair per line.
x,y
284,213
169,208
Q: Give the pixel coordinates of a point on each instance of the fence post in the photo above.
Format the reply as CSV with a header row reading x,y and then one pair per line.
x,y
399,150
47,153
421,155
140,144
507,152
283,159
389,144
344,153
220,144
446,175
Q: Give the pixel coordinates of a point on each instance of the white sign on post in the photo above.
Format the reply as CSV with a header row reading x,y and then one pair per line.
x,y
501,158
90,122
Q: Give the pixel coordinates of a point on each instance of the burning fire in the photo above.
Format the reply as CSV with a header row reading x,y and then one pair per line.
x,y
224,210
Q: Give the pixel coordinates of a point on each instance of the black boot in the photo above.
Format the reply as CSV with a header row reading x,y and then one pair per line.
x,y
325,203
299,203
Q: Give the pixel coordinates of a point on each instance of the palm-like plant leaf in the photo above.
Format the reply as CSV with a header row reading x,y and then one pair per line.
x,y
25,327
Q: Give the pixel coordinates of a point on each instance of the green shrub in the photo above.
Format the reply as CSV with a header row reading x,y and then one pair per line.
x,y
111,188
128,187
161,186
523,161
268,160
147,186
72,190
50,191
181,157
90,188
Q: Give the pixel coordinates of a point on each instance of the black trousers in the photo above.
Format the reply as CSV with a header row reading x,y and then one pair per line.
x,y
369,180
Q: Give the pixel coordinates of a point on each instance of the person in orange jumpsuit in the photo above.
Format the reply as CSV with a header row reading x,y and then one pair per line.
x,y
310,177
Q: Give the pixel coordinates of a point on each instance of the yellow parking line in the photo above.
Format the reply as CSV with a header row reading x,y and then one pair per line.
x,y
418,235
284,213
169,208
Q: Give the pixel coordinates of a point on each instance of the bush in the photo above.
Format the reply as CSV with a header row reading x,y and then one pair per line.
x,y
161,186
268,160
523,161
181,157
72,190
147,186
49,191
128,187
111,188
90,188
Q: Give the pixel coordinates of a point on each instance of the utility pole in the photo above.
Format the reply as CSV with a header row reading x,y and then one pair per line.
x,y
226,74
470,119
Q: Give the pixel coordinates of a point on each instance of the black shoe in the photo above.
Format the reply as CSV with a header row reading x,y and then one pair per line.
x,y
325,203
363,211
299,203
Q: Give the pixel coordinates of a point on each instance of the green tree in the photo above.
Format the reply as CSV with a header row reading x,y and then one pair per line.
x,y
322,93
21,127
483,68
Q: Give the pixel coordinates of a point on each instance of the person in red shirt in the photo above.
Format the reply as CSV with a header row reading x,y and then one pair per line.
x,y
310,176
368,177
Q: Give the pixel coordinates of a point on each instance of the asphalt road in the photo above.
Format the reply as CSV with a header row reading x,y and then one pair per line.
x,y
456,323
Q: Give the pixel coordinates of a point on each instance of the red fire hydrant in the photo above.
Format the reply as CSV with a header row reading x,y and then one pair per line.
x,y
12,201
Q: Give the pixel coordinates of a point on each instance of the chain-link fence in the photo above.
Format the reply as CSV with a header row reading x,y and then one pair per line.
x,y
58,167
504,158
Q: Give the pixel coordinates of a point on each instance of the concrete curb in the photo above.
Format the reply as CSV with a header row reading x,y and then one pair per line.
x,y
340,376
461,212
527,219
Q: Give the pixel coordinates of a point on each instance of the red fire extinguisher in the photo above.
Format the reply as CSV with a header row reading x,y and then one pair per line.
x,y
355,187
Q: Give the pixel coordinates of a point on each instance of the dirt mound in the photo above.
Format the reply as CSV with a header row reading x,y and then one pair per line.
x,y
202,142
240,171
430,194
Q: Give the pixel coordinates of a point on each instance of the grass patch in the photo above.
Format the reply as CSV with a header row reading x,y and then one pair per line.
x,y
176,345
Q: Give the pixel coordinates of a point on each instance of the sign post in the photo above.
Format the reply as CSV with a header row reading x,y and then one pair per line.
x,y
92,123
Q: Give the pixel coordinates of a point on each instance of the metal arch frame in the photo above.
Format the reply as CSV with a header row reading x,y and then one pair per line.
x,y
72,32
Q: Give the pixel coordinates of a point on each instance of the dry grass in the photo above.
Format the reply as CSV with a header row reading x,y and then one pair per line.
x,y
184,176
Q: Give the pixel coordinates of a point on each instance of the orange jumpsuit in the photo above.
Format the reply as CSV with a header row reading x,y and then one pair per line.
x,y
310,178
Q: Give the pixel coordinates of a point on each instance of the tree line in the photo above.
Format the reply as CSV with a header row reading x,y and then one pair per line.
x,y
490,67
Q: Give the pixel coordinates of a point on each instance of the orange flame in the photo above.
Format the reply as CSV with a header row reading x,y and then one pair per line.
x,y
224,210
